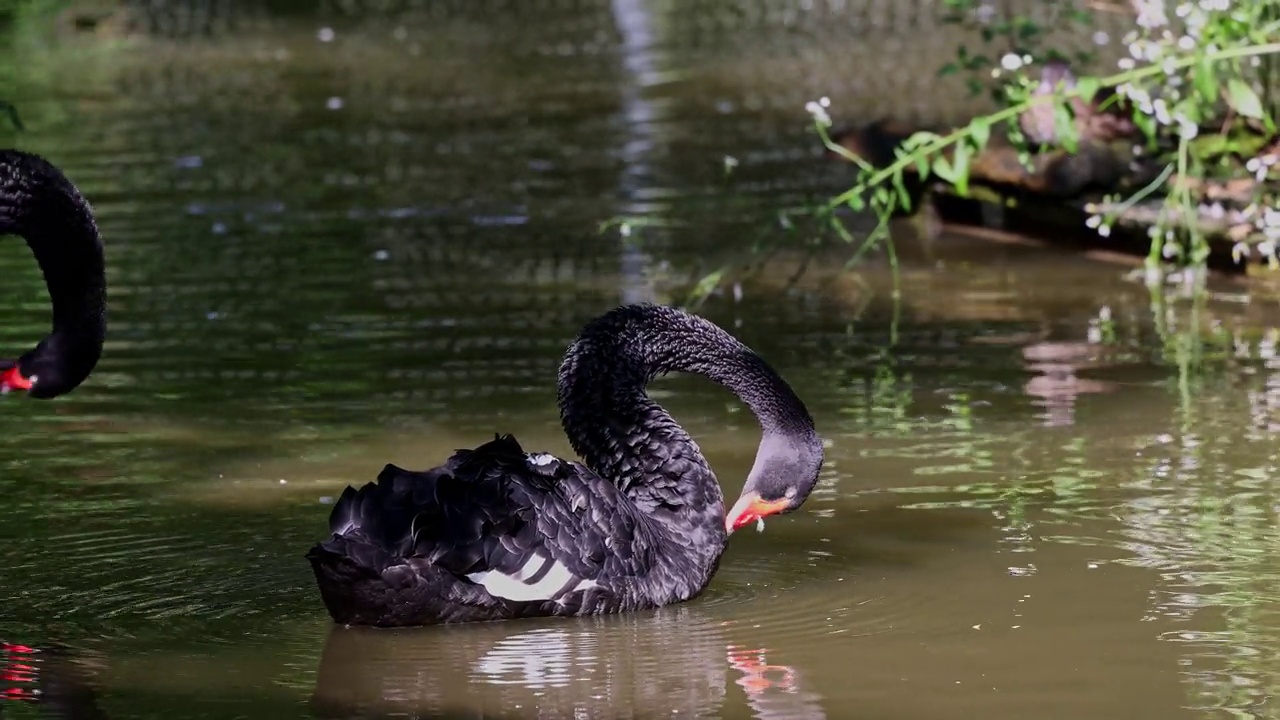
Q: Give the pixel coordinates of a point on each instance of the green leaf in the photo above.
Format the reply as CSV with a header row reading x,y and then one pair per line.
x,y
904,198
1147,124
12,112
1244,99
980,131
707,285
881,199
923,137
1212,145
979,62
1189,109
1088,87
1080,15
948,69
942,168
961,167
1065,126
1205,83
922,166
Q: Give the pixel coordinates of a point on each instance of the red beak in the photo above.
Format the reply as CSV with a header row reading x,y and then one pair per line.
x,y
12,379
750,508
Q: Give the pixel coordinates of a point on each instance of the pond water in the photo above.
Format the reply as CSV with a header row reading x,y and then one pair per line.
x,y
334,244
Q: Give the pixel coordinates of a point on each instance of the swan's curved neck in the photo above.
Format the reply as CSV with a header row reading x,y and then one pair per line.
x,y
40,204
625,436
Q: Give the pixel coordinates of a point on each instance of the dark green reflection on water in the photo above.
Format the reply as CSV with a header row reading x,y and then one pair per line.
x,y
1048,493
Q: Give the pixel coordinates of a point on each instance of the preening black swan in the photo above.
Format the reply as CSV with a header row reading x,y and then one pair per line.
x,y
497,533
39,203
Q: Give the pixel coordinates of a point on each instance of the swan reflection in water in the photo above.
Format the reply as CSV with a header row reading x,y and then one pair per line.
x,y
667,663
50,678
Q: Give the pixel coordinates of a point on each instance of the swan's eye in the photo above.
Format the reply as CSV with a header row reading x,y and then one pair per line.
x,y
791,492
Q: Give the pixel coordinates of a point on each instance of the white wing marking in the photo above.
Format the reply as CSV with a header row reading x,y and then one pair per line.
x,y
584,585
541,459
516,587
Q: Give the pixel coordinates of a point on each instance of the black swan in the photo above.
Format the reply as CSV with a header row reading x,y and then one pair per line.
x,y
497,533
39,203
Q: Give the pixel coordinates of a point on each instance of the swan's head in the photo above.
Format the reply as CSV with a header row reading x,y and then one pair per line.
x,y
11,377
55,367
785,472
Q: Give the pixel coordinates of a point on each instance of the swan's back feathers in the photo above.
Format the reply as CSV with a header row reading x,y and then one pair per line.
x,y
494,532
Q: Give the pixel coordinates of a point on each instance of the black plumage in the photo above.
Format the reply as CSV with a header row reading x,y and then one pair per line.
x,y
499,533
39,203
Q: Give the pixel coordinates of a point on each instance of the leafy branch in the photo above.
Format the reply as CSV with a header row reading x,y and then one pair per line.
x,y
925,151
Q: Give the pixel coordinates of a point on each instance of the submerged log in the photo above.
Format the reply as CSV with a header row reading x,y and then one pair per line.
x,y
1095,166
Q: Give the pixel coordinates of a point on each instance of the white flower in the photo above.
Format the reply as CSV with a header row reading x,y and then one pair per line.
x,y
818,110
1162,112
1151,13
1240,250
